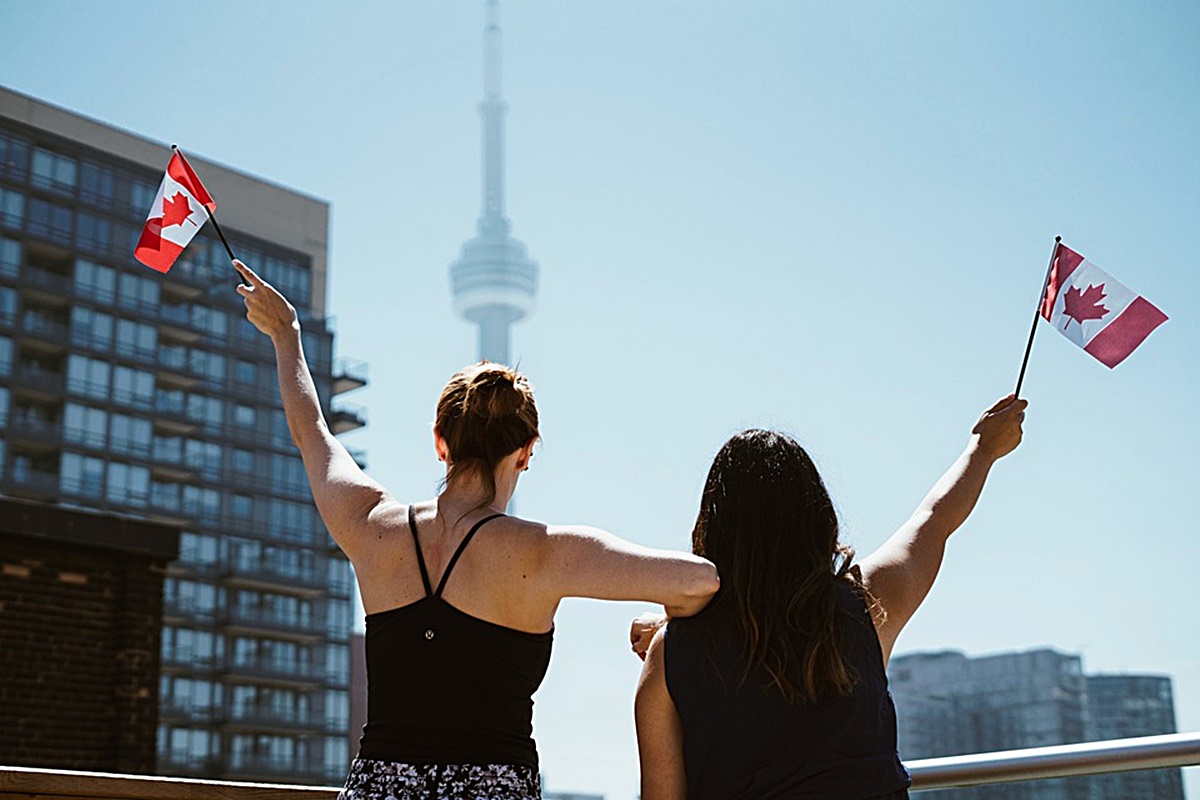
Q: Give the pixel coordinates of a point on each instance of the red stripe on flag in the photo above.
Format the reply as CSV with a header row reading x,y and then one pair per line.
x,y
153,250
1121,336
1065,262
181,172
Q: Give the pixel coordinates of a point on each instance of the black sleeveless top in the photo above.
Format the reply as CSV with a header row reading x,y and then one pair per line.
x,y
741,739
445,687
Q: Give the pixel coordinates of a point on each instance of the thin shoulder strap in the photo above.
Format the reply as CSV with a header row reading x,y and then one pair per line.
x,y
454,559
412,526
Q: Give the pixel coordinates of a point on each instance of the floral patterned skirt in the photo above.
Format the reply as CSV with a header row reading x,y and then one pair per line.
x,y
389,780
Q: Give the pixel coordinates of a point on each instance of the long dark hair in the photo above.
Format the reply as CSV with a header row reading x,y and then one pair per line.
x,y
768,523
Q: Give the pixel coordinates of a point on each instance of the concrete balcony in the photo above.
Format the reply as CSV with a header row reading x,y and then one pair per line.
x,y
348,374
346,417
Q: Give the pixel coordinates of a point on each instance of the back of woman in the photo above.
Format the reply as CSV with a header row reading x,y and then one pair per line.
x,y
741,739
779,689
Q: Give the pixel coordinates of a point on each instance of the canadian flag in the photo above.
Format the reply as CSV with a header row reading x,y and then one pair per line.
x,y
177,214
1085,304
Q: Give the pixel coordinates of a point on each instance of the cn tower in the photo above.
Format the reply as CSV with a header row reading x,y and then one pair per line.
x,y
494,281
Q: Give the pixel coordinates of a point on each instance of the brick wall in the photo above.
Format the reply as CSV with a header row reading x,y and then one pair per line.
x,y
80,627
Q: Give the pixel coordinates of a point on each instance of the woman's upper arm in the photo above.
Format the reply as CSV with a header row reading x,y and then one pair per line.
x,y
659,730
899,576
588,562
345,496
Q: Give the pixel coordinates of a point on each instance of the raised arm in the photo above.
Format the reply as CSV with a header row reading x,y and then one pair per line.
x,y
344,495
900,573
588,562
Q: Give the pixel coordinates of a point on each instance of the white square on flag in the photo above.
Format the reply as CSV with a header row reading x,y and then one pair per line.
x,y
1094,310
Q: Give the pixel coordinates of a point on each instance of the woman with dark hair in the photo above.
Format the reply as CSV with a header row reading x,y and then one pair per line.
x,y
778,688
460,598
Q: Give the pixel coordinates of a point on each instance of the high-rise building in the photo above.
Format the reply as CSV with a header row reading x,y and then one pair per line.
x,y
134,393
494,281
949,704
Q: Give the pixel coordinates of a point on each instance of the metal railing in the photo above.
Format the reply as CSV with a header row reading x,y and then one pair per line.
x,y
1059,761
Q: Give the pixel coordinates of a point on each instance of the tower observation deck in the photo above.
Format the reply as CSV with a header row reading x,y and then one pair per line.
x,y
494,281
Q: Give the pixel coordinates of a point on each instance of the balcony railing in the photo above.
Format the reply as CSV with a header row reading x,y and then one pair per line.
x,y
1060,761
346,417
1089,758
348,374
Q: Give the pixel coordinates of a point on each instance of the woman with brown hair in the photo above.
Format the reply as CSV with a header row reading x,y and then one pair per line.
x,y
778,688
460,597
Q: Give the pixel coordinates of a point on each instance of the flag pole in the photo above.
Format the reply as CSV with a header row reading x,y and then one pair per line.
x,y
211,215
1037,313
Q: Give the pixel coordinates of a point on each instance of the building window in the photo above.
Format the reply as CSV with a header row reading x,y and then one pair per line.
x,y
95,183
245,373
196,548
243,462
93,233
142,194
337,663
12,208
14,157
49,221
6,356
241,505
85,425
128,484
53,171
82,475
8,305
133,387
91,329
87,376
208,365
136,340
165,495
95,281
3,417
131,435
10,257
210,321
243,415
201,502
203,456
208,411
138,293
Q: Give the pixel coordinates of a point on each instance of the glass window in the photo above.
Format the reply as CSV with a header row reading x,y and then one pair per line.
x,y
87,376
3,418
245,373
280,435
93,280
241,505
207,410
82,475
53,171
210,365
243,415
93,232
131,435
14,156
165,494
211,321
95,183
8,305
6,356
85,425
10,257
49,220
196,548
203,456
142,194
243,461
136,340
133,387
91,329
12,208
201,502
137,292
128,484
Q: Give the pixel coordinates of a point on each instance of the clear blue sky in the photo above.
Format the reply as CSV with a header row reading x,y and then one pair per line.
x,y
830,218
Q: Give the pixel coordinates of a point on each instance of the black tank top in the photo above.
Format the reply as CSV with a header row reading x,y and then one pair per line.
x,y
741,739
445,687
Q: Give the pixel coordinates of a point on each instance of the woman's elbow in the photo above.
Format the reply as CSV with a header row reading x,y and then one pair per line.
x,y
701,583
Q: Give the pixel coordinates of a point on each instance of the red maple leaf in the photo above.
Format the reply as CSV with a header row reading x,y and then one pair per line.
x,y
175,210
1084,305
